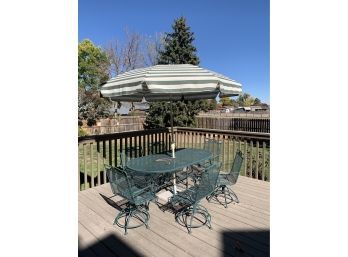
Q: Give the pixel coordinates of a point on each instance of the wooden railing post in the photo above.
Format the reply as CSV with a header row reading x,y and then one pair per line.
x,y
263,160
98,160
257,161
84,166
91,162
251,160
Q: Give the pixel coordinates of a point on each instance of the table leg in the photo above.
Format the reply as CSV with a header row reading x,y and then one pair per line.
x,y
187,177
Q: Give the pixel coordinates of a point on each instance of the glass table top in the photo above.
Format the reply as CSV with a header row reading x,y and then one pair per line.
x,y
162,163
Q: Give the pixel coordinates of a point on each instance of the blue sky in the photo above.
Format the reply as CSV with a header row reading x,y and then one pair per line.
x,y
232,36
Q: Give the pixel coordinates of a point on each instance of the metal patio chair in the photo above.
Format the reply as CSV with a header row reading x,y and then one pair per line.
x,y
229,179
188,200
215,148
136,212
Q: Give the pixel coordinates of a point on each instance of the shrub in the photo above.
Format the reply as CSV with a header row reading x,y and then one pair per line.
x,y
91,122
82,132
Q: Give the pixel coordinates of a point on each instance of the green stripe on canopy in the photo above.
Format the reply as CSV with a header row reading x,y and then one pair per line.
x,y
169,82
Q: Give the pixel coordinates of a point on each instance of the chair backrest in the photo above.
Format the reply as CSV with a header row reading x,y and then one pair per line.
x,y
207,182
236,167
119,182
123,159
214,147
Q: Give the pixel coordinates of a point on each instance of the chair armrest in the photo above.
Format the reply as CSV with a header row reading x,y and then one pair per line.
x,y
144,189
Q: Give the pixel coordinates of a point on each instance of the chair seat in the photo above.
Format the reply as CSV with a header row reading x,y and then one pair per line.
x,y
140,198
144,197
184,197
223,181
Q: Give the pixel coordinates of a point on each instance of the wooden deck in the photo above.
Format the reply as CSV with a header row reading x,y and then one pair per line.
x,y
244,225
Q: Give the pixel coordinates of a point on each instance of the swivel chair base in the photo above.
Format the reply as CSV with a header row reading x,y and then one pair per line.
x,y
193,217
138,214
227,195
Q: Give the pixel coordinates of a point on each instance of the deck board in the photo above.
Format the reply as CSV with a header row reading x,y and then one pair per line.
x,y
246,224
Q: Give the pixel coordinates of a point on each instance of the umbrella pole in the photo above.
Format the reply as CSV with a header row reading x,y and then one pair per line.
x,y
172,143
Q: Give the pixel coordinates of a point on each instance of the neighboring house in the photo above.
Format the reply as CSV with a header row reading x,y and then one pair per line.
x,y
126,107
141,106
242,109
252,109
259,108
226,109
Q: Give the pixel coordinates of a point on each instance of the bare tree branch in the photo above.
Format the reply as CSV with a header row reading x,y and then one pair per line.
x,y
153,45
114,50
136,52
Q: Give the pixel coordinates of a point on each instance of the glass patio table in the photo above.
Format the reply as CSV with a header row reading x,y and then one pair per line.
x,y
164,163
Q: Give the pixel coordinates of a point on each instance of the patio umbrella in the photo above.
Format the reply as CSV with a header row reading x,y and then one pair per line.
x,y
169,83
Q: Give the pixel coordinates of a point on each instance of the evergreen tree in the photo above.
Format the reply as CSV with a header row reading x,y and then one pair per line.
x,y
178,49
257,101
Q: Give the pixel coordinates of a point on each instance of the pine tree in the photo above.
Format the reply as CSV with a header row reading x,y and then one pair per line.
x,y
178,47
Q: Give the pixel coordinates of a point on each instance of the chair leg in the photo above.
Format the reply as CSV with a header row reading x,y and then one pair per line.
x,y
128,215
234,195
192,215
147,205
224,191
208,198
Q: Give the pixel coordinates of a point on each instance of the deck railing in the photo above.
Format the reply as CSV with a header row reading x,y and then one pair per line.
x,y
96,150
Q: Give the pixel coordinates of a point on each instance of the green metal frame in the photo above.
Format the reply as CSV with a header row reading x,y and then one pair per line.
x,y
138,195
213,146
225,180
189,200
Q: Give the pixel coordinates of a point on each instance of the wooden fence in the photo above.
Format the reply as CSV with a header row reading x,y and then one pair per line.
x,y
96,150
134,123
116,125
238,124
254,114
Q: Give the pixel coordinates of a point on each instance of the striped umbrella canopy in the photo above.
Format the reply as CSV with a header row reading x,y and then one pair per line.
x,y
169,82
